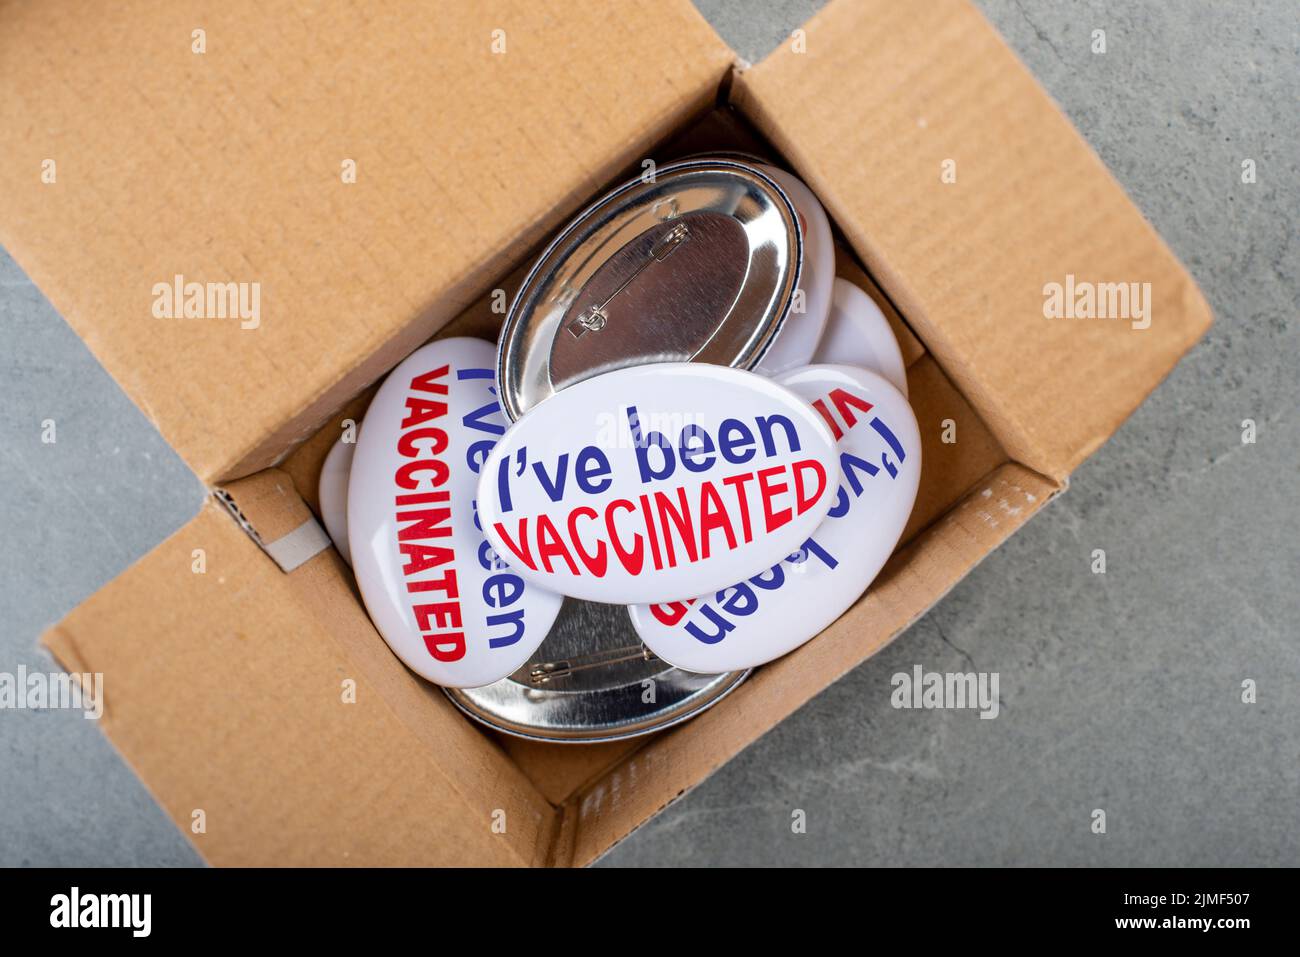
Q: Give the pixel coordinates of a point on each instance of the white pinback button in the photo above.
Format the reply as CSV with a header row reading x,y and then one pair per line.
x,y
858,334
435,589
332,493
657,481
771,613
699,265
804,327
592,680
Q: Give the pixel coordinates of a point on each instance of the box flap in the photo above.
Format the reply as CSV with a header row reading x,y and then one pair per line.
x,y
129,158
267,702
670,764
880,103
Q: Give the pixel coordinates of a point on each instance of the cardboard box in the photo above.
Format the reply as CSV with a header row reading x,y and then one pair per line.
x,y
474,133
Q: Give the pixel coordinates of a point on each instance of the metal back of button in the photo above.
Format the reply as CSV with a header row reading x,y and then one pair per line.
x,y
699,265
588,682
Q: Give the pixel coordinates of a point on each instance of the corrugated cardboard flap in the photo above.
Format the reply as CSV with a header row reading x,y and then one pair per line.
x,y
273,724
966,192
219,143
672,763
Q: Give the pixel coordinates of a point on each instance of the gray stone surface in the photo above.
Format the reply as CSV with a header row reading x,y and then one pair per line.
x,y
1119,691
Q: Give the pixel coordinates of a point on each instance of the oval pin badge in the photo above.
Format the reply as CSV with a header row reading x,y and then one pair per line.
x,y
657,481
858,334
332,494
805,325
440,595
763,616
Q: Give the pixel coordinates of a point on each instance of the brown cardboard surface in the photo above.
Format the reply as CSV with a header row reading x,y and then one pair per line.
x,y
948,468
558,771
671,764
224,688
304,463
268,503
224,692
226,166
967,261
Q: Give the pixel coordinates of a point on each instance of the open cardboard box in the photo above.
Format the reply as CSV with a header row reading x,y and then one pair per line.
x,y
475,132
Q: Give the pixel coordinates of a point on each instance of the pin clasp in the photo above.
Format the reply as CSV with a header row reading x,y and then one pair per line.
x,y
597,317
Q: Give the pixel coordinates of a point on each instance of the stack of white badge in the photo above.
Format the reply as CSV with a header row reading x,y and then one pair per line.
x,y
735,513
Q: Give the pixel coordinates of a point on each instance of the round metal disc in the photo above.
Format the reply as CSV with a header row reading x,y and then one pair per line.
x,y
699,265
590,681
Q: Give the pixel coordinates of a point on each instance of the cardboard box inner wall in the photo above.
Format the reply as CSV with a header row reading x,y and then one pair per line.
x,y
224,689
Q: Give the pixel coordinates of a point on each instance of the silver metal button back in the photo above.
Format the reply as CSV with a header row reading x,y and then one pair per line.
x,y
592,680
699,264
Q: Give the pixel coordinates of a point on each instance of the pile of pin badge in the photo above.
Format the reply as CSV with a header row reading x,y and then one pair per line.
x,y
689,429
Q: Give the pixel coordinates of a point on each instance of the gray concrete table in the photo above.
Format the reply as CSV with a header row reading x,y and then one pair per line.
x,y
1120,691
